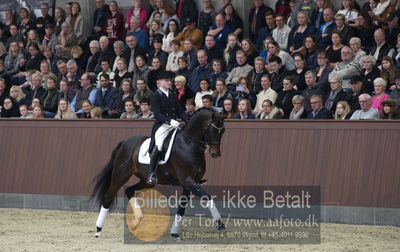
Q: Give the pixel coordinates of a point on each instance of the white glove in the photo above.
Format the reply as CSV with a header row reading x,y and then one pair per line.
x,y
174,123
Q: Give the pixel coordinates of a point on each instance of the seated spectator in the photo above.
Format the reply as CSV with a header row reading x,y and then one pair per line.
x,y
183,68
390,111
73,74
266,31
94,48
26,22
34,57
125,93
59,19
242,69
139,33
3,91
333,51
13,59
15,36
213,52
142,93
312,89
274,50
171,32
100,15
76,22
106,97
366,112
145,110
35,102
37,90
277,72
114,24
66,40
46,72
369,73
8,21
220,31
243,90
137,10
141,70
191,32
299,32
190,108
206,17
96,113
345,30
132,51
10,108
130,112
105,69
381,48
232,47
380,95
156,68
105,53
342,111
318,109
204,90
86,108
267,93
33,37
336,94
229,109
389,72
18,95
349,11
217,72
38,112
281,33
284,98
64,110
254,76
233,20
155,31
190,53
159,53
201,71
355,45
250,51
299,71
395,95
327,28
269,111
356,87
118,54
347,68
23,110
298,111
121,73
49,99
50,37
65,91
220,94
244,108
291,18
87,92
207,101
282,8
310,51
182,92
77,55
174,55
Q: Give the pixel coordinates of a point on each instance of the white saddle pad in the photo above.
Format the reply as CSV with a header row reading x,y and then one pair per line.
x,y
144,157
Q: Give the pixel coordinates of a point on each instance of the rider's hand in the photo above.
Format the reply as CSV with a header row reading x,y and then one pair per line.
x,y
174,123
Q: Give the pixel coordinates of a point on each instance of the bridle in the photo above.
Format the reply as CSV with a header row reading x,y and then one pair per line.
x,y
207,135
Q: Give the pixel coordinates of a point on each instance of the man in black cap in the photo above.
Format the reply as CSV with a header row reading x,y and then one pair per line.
x,y
356,86
166,108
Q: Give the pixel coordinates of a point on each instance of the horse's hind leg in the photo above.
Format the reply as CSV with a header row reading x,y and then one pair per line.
x,y
120,176
179,214
199,192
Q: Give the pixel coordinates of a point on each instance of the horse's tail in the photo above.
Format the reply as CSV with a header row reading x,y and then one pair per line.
x,y
103,181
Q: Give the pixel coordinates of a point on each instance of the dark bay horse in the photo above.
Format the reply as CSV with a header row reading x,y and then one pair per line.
x,y
185,167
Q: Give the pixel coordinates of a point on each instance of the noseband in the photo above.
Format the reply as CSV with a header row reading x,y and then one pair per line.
x,y
207,135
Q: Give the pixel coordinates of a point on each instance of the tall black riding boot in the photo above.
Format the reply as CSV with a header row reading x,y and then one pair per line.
x,y
154,158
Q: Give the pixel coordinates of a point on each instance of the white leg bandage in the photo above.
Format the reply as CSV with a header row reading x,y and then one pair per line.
x,y
176,224
213,209
102,217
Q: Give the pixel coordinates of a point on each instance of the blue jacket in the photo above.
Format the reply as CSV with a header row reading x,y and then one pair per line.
x,y
198,73
108,101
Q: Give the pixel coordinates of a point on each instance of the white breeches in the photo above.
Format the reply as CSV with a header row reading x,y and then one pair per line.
x,y
161,134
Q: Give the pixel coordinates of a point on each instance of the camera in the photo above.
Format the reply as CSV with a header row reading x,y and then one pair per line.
x,y
239,89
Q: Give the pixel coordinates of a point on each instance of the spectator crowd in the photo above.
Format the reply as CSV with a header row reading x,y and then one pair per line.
x,y
302,59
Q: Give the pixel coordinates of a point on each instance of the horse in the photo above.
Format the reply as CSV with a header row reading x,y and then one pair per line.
x,y
185,167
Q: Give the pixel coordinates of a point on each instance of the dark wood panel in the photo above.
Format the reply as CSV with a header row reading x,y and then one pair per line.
x,y
355,163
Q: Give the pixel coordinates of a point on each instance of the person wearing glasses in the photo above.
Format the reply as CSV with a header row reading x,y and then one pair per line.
x,y
88,92
366,112
347,68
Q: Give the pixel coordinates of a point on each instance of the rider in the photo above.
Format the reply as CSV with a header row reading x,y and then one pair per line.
x,y
166,108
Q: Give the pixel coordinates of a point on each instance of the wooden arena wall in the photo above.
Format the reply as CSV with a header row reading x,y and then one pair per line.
x,y
355,163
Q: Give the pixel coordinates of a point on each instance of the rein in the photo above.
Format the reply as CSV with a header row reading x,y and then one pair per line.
x,y
206,134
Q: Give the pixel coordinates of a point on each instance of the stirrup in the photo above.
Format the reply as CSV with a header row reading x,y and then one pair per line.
x,y
152,179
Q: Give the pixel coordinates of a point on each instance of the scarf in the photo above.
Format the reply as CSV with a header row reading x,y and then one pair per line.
x,y
296,115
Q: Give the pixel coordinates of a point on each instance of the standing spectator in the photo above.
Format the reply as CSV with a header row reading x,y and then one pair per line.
x,y
342,111
191,32
44,20
380,95
298,111
233,20
100,16
366,112
257,18
244,110
88,92
201,71
114,24
220,31
347,68
76,21
138,11
186,9
142,36
336,94
266,93
64,110
265,31
206,17
364,30
318,109
281,32
26,23
284,99
59,19
327,29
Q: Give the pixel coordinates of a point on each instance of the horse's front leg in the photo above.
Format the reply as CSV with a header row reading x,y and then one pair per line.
x,y
199,192
183,201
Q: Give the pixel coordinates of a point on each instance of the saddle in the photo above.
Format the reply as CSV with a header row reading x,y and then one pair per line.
x,y
144,155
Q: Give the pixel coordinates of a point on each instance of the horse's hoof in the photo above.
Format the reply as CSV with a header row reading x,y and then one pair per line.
x,y
176,237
